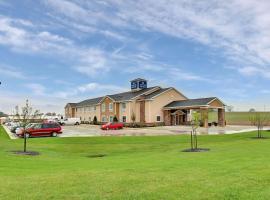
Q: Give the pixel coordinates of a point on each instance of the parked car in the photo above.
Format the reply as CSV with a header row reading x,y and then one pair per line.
x,y
41,129
70,121
112,126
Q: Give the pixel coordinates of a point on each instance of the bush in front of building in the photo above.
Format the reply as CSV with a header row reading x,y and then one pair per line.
x,y
115,119
95,122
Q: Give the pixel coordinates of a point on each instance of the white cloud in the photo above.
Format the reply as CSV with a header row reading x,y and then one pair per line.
x,y
11,72
96,87
37,89
238,27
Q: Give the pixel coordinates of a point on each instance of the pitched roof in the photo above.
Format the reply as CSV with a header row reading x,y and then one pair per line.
x,y
124,96
71,104
90,101
158,92
191,102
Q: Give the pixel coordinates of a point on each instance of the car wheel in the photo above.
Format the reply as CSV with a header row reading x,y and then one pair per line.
x,y
27,135
54,134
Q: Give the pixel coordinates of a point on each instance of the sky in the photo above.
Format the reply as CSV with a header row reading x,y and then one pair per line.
x,y
57,51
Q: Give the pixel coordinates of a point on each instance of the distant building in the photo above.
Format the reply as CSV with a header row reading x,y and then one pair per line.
x,y
149,105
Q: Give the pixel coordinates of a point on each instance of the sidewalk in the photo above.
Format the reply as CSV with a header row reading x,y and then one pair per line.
x,y
11,135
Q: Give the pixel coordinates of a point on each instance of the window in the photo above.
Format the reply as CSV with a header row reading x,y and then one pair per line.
x,y
111,118
124,107
158,118
104,119
124,119
111,106
103,107
89,119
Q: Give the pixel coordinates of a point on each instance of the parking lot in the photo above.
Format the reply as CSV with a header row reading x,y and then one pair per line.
x,y
84,130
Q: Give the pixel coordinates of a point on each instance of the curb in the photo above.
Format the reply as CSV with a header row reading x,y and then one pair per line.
x,y
11,135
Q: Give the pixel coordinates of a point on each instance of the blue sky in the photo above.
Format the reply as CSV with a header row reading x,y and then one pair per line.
x,y
58,51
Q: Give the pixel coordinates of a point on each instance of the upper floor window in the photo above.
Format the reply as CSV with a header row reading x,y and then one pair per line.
x,y
111,106
123,107
103,107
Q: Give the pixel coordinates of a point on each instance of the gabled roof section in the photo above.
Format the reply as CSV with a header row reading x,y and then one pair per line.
x,y
192,102
90,102
157,93
126,96
71,104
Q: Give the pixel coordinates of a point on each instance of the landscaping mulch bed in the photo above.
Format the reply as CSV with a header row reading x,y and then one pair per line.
x,y
27,153
96,156
196,150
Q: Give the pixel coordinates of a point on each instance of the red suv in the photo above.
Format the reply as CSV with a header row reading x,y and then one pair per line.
x,y
42,129
112,126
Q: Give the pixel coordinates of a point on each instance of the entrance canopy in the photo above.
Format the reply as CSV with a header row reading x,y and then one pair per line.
x,y
211,102
174,111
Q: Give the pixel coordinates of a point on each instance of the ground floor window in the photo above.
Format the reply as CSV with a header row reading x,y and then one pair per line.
x,y
124,119
104,119
89,119
158,118
111,118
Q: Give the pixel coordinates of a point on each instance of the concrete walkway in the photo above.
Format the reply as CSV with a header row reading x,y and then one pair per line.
x,y
11,135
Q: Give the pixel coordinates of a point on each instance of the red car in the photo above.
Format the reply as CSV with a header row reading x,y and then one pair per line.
x,y
112,126
42,129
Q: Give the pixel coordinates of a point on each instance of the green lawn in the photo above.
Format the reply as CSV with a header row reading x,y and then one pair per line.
x,y
237,167
236,117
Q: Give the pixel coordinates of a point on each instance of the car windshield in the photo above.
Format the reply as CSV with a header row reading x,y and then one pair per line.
x,y
29,125
109,123
36,126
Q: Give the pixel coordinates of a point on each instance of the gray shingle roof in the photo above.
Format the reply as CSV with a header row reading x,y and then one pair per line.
x,y
124,96
71,104
89,102
190,102
156,93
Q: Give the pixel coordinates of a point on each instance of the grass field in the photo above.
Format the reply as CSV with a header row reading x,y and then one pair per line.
x,y
238,118
136,168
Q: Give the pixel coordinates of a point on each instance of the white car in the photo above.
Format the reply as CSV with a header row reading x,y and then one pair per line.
x,y
70,121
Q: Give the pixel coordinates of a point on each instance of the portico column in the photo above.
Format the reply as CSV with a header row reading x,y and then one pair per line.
x,y
221,117
142,111
204,117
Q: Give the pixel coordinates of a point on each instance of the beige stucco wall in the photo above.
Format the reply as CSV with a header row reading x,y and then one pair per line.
x,y
84,113
154,107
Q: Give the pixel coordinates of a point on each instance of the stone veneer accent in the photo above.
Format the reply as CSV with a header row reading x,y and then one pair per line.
x,y
221,117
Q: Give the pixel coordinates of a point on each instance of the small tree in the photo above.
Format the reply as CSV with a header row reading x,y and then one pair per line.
x,y
252,110
133,117
95,120
195,123
229,108
259,120
27,115
115,119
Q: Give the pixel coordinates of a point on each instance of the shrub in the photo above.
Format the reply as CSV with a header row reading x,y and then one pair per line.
x,y
95,122
115,119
